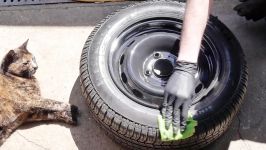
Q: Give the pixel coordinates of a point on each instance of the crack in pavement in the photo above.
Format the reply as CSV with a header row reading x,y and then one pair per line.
x,y
31,141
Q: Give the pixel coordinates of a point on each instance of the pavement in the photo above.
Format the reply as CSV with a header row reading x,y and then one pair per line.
x,y
57,33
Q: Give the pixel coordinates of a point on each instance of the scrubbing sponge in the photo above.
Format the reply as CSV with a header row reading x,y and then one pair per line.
x,y
168,135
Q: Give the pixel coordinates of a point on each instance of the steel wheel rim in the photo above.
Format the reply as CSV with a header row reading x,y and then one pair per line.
x,y
133,55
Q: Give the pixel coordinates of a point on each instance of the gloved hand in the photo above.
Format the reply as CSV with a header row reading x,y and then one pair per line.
x,y
252,9
178,95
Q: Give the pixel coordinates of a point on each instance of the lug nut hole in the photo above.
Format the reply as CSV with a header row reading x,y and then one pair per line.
x,y
147,72
157,55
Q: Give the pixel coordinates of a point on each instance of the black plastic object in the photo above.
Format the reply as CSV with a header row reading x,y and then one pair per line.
x,y
251,9
123,85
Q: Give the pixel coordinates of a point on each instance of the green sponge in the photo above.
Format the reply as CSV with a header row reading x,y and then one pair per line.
x,y
168,135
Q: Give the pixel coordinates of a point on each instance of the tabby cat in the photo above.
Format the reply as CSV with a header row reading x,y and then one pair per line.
x,y
20,96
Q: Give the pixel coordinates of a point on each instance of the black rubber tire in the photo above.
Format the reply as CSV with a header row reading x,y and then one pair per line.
x,y
135,126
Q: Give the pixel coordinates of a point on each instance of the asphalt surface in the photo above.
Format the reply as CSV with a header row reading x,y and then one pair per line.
x,y
57,34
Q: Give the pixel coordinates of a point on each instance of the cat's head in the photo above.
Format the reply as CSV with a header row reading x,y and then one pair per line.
x,y
20,62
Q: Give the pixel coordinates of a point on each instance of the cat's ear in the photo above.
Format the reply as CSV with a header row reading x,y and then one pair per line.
x,y
10,57
23,47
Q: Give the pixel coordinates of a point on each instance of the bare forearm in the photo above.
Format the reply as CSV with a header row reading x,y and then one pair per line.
x,y
196,17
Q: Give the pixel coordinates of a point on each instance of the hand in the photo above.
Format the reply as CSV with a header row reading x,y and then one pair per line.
x,y
178,95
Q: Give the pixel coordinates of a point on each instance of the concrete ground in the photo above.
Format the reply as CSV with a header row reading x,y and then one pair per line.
x,y
57,34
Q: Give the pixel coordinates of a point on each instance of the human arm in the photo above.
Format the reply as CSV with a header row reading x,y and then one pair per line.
x,y
180,86
195,20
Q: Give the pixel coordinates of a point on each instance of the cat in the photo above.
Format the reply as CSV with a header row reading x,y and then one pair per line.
x,y
20,96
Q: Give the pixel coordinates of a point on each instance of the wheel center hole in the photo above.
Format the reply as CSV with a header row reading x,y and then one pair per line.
x,y
163,68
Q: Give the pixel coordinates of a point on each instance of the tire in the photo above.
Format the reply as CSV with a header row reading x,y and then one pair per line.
x,y
132,121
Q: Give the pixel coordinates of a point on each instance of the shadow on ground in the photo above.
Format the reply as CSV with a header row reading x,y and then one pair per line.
x,y
88,134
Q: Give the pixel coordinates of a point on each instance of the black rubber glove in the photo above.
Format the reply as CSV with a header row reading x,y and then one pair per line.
x,y
178,95
252,9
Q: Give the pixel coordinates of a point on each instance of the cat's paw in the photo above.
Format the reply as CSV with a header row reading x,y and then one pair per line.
x,y
75,114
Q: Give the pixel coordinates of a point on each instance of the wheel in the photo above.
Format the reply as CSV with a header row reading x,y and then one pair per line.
x,y
128,59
